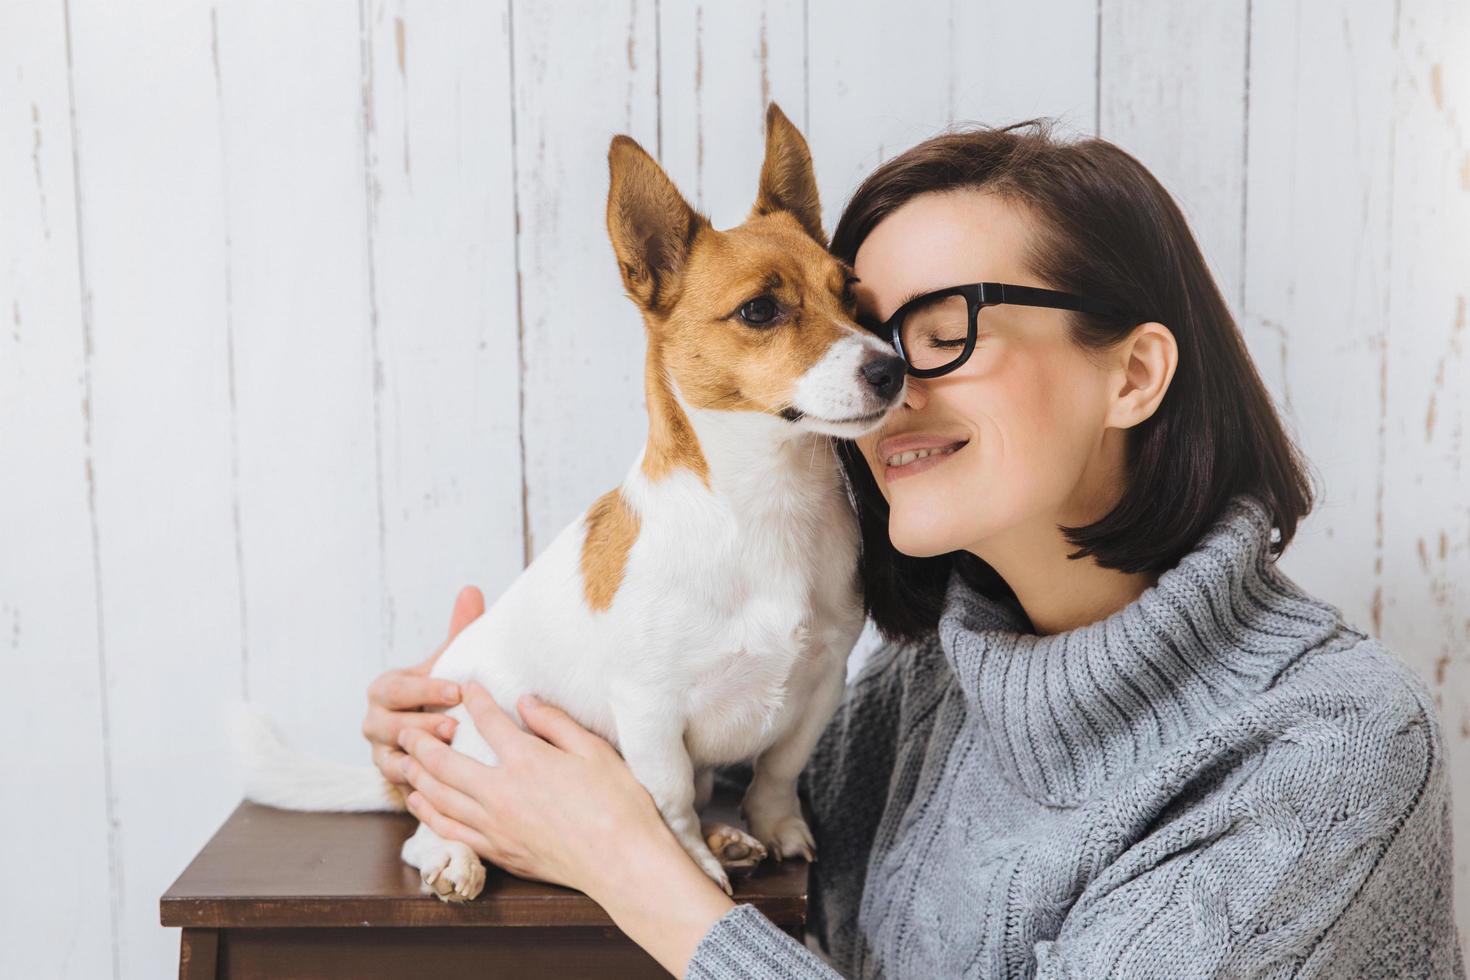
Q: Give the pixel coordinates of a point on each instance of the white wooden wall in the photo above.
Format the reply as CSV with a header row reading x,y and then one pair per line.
x,y
308,317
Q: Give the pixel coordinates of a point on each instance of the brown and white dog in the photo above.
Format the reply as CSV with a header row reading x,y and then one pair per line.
x,y
701,613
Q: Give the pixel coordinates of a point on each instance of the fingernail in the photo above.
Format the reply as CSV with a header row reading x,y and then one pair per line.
x,y
446,728
450,692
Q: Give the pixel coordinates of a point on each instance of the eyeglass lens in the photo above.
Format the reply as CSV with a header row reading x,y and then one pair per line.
x,y
934,334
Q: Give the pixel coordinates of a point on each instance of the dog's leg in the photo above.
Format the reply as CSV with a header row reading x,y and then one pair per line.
x,y
704,786
652,743
771,807
447,868
738,851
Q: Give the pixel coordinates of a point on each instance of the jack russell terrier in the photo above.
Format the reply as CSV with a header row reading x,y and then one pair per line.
x,y
701,613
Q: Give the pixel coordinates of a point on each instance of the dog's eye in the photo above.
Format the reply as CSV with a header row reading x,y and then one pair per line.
x,y
759,311
848,296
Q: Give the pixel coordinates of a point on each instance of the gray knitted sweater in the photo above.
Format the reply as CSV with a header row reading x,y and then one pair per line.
x,y
1221,779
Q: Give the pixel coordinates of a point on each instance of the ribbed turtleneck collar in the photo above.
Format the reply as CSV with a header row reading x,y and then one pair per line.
x,y
1068,711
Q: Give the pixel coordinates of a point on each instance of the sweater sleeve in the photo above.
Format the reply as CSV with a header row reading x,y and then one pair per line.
x,y
744,944
1332,860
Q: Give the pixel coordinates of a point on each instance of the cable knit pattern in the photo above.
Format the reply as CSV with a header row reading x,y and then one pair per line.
x,y
1221,779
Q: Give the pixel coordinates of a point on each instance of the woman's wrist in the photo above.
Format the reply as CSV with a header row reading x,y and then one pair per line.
x,y
660,898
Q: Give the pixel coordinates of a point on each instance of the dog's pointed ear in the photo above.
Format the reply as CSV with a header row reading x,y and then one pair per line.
x,y
651,225
787,180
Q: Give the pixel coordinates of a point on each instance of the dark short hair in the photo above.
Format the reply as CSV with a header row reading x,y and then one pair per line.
x,y
1105,228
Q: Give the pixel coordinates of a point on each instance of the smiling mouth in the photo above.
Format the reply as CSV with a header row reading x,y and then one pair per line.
x,y
903,459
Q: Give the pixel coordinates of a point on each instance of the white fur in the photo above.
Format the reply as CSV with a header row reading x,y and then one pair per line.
x,y
726,641
827,391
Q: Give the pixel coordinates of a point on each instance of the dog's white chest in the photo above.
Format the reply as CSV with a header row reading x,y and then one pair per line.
x,y
739,696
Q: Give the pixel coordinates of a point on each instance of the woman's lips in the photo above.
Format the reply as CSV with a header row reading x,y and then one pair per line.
x,y
935,457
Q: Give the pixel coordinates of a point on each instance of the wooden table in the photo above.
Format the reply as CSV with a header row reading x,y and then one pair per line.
x,y
277,893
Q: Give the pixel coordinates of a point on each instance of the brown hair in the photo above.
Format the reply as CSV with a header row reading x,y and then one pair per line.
x,y
1105,228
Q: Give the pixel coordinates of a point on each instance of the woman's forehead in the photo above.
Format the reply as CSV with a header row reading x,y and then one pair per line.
x,y
940,239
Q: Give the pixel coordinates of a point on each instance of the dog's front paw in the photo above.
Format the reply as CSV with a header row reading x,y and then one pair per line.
x,y
454,873
737,851
786,836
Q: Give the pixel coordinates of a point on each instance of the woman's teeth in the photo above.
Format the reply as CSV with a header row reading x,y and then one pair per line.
x,y
902,459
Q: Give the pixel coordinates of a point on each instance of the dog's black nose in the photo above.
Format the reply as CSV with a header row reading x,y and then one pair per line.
x,y
885,374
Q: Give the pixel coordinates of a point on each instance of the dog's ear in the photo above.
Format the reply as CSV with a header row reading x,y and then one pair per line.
x,y
651,225
787,180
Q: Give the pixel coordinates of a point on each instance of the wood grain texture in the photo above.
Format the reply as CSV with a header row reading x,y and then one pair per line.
x,y
719,64
584,72
1172,91
442,238
1425,576
151,199
51,634
277,868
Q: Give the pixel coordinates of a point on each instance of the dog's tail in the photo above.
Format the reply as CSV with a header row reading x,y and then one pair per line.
x,y
281,776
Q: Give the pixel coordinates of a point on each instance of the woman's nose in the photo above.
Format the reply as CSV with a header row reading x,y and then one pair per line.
x,y
914,393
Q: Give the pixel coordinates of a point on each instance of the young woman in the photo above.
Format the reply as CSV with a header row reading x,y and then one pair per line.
x,y
1108,737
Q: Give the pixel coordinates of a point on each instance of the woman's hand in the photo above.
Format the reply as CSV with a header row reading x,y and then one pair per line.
x,y
562,806
396,699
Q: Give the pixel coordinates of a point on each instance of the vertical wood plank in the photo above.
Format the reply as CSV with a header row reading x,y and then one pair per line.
x,y
442,227
198,954
1317,221
56,824
153,239
1426,456
583,73
720,64
1172,92
1015,61
879,82
295,106
884,77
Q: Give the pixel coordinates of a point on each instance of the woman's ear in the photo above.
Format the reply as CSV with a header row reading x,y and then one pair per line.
x,y
788,182
651,225
1145,364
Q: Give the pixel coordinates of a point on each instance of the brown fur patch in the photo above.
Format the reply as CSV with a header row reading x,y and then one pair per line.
x,y
672,442
612,527
720,363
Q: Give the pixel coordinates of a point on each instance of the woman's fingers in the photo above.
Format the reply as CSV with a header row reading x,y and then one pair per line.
x,y
448,828
398,690
551,723
442,762
446,799
469,606
382,726
498,728
390,763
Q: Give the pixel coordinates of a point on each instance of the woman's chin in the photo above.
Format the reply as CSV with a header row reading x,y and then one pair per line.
x,y
922,539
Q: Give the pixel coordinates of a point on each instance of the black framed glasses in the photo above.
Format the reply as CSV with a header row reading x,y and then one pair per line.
x,y
935,333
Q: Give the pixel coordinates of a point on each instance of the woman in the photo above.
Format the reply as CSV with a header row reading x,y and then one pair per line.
x,y
1107,736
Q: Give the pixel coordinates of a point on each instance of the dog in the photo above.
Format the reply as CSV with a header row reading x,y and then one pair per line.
x,y
702,612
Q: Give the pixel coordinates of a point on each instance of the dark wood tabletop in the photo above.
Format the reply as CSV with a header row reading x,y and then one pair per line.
x,y
280,868
325,896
